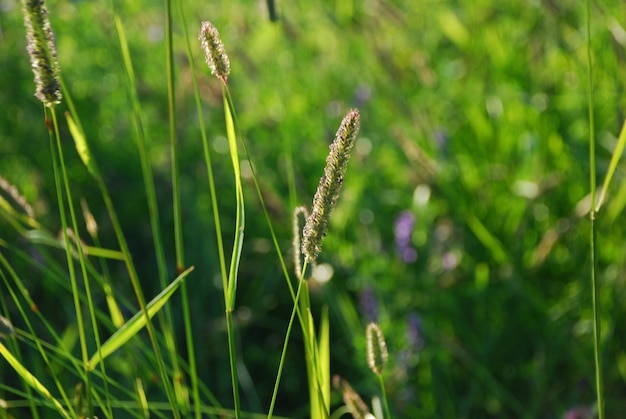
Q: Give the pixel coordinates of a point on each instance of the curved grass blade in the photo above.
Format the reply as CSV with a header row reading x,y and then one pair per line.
x,y
137,322
80,142
231,289
45,238
617,154
31,380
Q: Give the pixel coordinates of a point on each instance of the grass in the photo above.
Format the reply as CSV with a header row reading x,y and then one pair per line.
x,y
481,123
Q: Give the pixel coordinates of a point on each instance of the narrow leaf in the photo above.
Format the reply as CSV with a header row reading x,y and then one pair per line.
x,y
324,357
30,379
45,238
617,153
137,322
80,142
241,216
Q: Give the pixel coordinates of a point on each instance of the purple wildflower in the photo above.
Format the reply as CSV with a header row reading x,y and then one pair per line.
x,y
369,304
414,333
362,95
578,412
403,231
441,138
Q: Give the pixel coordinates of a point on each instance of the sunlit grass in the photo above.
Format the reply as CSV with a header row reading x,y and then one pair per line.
x,y
461,226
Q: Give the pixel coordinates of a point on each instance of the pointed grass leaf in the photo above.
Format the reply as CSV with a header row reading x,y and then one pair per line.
x,y
30,379
80,142
324,356
617,154
47,239
241,216
137,322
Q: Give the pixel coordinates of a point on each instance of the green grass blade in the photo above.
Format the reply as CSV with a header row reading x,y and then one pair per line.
x,y
231,290
487,239
137,322
284,353
30,379
617,154
240,220
46,238
80,142
323,350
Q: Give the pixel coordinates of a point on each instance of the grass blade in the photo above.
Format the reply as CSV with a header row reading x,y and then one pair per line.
x,y
30,379
617,153
137,322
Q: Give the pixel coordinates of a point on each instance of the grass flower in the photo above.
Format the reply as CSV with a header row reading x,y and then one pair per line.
x,y
6,328
42,50
215,56
376,348
329,187
15,196
357,407
297,233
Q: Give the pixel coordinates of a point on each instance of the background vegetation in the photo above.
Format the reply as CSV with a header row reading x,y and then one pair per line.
x,y
463,223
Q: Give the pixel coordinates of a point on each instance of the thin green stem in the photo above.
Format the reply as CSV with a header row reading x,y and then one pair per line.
x,y
595,286
284,350
61,181
178,232
384,393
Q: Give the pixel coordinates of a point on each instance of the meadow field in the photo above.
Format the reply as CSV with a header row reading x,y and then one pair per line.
x,y
147,257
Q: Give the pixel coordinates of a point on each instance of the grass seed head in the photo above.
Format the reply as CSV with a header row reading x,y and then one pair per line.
x,y
215,56
297,239
357,407
42,50
329,187
16,198
376,348
6,328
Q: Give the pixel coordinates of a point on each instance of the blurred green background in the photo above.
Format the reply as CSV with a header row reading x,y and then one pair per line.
x,y
462,227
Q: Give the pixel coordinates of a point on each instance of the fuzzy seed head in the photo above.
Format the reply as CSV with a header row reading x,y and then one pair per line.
x,y
376,348
329,187
18,200
90,220
42,50
357,407
215,56
6,328
297,233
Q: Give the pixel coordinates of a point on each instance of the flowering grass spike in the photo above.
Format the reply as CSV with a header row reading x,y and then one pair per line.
x,y
6,328
297,232
215,56
357,407
329,187
377,354
42,51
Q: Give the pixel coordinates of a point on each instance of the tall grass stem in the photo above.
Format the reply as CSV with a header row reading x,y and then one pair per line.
x,y
595,286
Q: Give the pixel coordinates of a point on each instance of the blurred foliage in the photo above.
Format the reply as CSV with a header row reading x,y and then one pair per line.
x,y
474,119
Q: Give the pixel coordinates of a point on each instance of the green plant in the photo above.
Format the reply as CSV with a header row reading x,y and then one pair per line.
x,y
461,229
